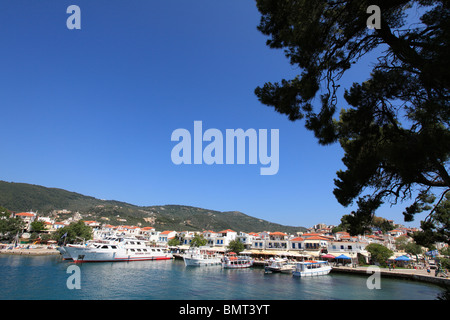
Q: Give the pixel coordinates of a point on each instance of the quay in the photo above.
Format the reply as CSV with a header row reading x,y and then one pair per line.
x,y
31,251
410,274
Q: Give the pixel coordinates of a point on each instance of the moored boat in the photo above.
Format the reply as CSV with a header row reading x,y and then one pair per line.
x,y
201,257
311,268
236,262
277,265
116,249
64,253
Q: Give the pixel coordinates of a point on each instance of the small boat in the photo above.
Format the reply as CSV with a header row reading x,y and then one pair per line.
x,y
289,267
311,268
276,265
236,262
201,257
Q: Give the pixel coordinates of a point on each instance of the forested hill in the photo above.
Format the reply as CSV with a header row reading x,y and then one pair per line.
x,y
20,197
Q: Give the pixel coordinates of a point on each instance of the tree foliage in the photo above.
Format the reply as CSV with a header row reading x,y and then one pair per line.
x,y
235,246
394,127
74,232
198,241
9,227
379,253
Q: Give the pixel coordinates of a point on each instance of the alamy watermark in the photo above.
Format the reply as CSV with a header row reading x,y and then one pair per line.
x,y
74,280
374,281
374,21
74,20
213,152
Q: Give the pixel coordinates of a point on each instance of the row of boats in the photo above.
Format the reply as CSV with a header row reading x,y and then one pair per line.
x,y
116,248
308,268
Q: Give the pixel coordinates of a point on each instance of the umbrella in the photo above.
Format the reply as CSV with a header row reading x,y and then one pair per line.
x,y
343,256
402,258
328,256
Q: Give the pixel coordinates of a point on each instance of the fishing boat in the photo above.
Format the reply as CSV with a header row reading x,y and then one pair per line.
x,y
201,257
234,261
311,268
116,249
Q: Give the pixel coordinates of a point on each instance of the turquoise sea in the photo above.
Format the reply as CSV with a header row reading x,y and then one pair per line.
x,y
45,278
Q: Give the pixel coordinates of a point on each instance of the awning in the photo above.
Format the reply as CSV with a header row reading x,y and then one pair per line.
x,y
343,256
403,258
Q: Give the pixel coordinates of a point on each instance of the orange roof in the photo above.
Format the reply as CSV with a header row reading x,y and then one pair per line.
x,y
25,214
298,239
148,228
226,231
278,234
317,238
166,232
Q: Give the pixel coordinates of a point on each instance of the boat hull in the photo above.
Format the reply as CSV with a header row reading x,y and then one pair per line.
x,y
94,255
312,273
198,262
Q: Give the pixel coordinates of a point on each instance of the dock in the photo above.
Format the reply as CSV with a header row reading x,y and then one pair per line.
x,y
410,274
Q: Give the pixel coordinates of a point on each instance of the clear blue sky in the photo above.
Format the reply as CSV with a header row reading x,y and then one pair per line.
x,y
93,110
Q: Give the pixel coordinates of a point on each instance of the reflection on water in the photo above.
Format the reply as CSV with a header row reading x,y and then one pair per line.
x,y
45,278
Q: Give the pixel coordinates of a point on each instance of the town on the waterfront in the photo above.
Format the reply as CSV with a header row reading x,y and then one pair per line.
x,y
392,248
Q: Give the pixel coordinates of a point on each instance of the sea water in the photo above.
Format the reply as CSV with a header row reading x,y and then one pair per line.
x,y
45,278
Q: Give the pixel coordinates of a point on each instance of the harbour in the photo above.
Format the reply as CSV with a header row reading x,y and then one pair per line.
x,y
45,278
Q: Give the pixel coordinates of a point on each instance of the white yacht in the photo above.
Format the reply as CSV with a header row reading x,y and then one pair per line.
x,y
279,265
201,257
311,268
116,249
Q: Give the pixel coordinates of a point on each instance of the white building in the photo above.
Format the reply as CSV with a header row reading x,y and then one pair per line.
x,y
349,248
165,236
247,238
224,238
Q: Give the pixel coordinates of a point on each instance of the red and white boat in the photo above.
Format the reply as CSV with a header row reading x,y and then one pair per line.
x,y
116,249
233,261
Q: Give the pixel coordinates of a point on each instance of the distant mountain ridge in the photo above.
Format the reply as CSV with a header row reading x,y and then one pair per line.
x,y
24,197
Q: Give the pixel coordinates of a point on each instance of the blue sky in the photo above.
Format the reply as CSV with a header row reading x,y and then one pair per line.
x,y
93,110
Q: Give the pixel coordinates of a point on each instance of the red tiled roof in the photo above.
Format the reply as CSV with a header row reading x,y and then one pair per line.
x,y
25,214
226,231
278,234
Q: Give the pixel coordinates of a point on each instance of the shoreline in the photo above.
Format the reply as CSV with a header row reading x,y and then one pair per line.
x,y
409,274
30,252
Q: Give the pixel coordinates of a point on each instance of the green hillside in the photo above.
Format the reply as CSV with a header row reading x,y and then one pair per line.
x,y
25,197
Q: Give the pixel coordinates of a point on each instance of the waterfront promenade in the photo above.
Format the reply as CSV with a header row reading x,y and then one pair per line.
x,y
410,274
32,251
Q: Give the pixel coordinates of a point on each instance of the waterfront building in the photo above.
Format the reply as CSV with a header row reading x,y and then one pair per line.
x,y
350,248
165,236
147,233
224,238
297,244
27,217
247,238
210,237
